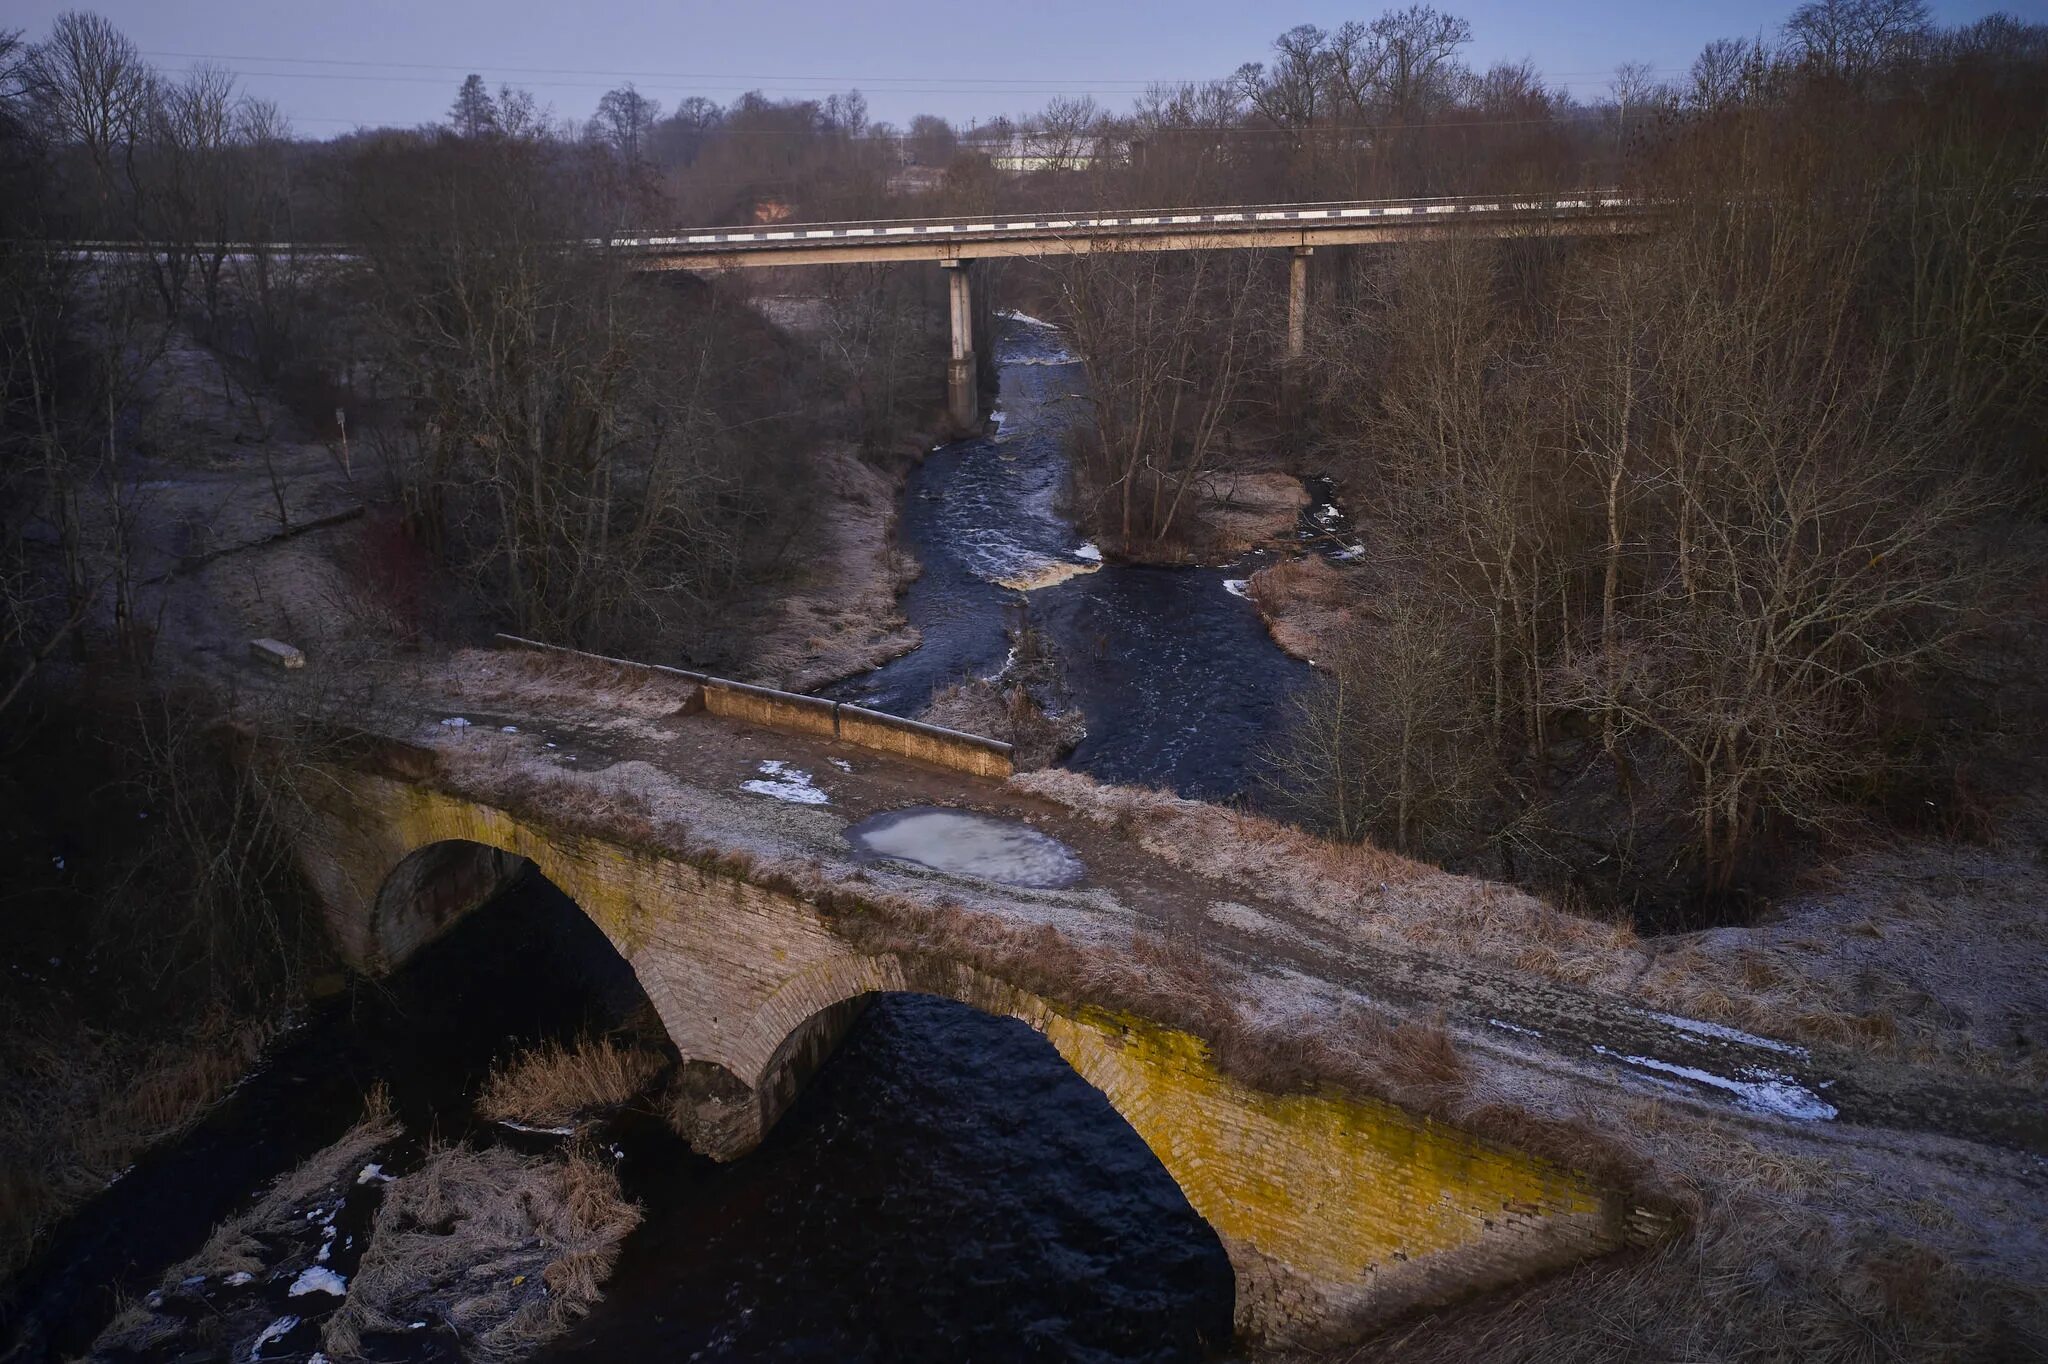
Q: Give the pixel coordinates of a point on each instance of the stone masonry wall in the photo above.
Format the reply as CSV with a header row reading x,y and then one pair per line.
x,y
1337,1211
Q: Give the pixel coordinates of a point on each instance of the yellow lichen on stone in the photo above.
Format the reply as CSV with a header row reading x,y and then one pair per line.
x,y
1335,1187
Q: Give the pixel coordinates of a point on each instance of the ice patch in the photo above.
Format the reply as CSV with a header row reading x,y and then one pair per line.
x,y
1515,1028
1089,552
784,782
842,764
277,1330
997,417
973,845
238,1278
1348,553
1761,1090
1701,1028
508,729
456,722
539,1131
373,1173
318,1279
1026,318
1236,587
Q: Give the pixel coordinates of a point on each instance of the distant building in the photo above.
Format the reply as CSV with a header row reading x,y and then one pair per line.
x,y
1021,153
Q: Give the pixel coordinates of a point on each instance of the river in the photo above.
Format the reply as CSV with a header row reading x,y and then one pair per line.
x,y
1174,672
947,1188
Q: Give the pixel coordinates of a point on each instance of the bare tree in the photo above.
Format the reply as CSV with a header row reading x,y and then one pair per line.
x,y
1850,39
92,89
624,121
1169,344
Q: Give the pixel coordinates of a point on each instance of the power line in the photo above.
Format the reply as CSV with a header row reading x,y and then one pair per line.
x,y
950,84
1136,85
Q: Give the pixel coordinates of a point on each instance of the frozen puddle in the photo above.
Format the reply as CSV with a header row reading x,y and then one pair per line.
x,y
973,845
783,782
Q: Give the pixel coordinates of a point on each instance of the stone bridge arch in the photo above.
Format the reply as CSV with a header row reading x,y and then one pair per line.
x,y
1336,1210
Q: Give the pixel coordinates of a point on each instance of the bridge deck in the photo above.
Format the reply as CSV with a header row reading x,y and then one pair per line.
x,y
1586,213
630,743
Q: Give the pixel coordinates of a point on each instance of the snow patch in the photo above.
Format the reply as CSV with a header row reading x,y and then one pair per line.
x,y
1090,552
1026,318
1515,1028
784,782
1348,553
318,1279
842,764
373,1173
277,1330
238,1278
456,722
1236,587
1723,1033
1761,1090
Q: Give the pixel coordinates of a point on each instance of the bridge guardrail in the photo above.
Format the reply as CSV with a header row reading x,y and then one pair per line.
x,y
873,730
1248,216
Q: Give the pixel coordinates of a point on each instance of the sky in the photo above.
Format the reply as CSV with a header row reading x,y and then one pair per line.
x,y
338,64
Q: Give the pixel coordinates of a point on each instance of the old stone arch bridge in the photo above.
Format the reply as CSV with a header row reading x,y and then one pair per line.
x,y
757,941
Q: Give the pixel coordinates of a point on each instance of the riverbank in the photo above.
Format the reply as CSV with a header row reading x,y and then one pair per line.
x,y
1310,605
840,615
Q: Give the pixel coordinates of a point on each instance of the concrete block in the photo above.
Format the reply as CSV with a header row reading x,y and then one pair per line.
x,y
276,652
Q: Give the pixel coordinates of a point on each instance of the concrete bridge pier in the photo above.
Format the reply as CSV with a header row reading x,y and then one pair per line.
x,y
963,395
1297,302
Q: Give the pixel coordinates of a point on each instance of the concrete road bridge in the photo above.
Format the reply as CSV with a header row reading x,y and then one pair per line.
x,y
662,803
956,243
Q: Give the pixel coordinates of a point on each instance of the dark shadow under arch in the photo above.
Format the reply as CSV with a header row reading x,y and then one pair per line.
x,y
946,1186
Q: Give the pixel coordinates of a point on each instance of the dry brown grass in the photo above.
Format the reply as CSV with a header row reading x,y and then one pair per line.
x,y
79,1105
555,1084
505,1249
1309,605
1757,1279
